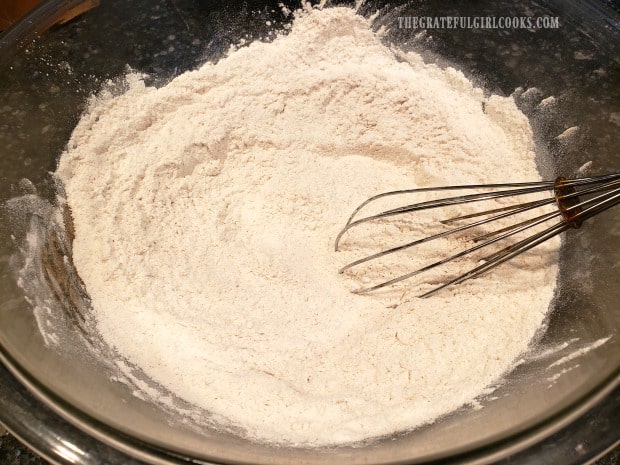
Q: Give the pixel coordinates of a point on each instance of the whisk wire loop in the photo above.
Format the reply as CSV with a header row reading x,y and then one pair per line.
x,y
577,200
498,259
533,188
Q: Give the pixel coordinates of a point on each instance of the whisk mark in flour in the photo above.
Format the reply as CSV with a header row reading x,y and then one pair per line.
x,y
220,281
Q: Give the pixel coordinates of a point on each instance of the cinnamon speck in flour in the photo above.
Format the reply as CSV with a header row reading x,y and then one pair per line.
x,y
205,213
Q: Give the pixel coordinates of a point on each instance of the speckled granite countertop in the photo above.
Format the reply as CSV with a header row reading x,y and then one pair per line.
x,y
12,452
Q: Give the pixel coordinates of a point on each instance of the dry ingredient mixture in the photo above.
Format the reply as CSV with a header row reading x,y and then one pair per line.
x,y
205,213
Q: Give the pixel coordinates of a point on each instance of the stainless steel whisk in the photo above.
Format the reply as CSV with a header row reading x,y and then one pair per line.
x,y
576,199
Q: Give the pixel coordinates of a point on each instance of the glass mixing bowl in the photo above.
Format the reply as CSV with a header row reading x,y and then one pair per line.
x,y
50,70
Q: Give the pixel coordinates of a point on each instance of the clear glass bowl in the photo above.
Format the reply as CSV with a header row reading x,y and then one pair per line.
x,y
50,70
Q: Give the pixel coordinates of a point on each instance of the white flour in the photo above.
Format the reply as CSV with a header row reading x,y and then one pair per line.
x,y
205,214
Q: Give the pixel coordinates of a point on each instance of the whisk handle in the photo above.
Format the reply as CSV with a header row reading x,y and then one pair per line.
x,y
568,204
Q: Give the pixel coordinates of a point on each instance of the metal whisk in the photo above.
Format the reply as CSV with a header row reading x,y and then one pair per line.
x,y
576,199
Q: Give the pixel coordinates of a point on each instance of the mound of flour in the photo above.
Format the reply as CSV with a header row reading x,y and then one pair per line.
x,y
205,215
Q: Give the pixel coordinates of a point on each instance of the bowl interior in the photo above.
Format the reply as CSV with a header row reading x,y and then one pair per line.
x,y
47,80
